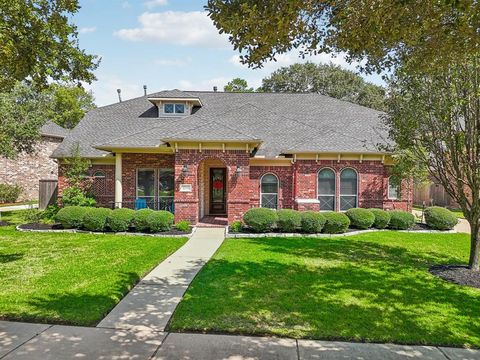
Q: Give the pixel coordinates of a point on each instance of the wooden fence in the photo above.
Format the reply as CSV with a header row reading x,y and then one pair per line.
x,y
47,193
432,194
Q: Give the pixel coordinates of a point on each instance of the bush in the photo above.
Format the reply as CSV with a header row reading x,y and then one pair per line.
x,y
382,218
95,219
336,223
260,219
312,222
9,193
50,212
236,226
140,219
401,220
74,196
439,218
71,217
120,219
31,216
360,218
183,225
161,220
288,220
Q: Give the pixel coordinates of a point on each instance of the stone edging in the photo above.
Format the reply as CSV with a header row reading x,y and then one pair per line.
x,y
322,235
76,231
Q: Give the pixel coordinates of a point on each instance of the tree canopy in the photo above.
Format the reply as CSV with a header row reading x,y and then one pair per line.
x,y
326,79
424,34
39,44
237,85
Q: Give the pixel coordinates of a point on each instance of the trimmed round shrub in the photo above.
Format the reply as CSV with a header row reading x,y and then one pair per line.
x,y
382,218
401,220
336,223
360,218
260,219
140,219
71,217
160,220
288,220
312,222
236,226
120,219
95,219
183,225
439,218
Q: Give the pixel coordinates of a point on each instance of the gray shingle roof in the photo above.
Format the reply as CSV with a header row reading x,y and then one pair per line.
x,y
285,123
54,130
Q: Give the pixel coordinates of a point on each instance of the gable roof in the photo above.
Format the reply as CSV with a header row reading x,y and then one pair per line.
x,y
53,130
283,122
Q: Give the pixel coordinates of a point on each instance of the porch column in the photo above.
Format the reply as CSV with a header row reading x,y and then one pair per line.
x,y
118,180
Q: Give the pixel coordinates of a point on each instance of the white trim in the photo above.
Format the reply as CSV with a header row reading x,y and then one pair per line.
x,y
175,113
399,190
334,188
307,201
118,180
278,188
340,189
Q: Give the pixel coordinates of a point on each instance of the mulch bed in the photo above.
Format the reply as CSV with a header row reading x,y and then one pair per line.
x,y
420,226
458,274
4,223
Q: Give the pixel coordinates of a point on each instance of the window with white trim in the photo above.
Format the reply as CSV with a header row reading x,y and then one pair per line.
x,y
326,189
394,189
146,186
173,108
269,191
348,189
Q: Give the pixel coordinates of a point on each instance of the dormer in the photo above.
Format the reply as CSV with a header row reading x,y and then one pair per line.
x,y
174,103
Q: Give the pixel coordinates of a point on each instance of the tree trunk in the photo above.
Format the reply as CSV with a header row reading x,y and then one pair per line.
x,y
474,247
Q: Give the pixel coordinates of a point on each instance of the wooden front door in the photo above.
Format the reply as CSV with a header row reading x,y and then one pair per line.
x,y
218,188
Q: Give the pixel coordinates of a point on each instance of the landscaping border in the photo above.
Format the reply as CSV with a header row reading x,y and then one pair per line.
x,y
194,228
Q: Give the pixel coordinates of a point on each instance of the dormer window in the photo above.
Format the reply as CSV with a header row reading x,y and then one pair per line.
x,y
170,108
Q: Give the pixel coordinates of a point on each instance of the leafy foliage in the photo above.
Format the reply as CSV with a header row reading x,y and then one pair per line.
x,y
237,85
260,219
236,226
183,225
71,217
95,219
382,218
312,222
9,193
288,220
120,219
140,221
75,196
40,44
160,220
439,218
401,220
336,223
330,80
360,218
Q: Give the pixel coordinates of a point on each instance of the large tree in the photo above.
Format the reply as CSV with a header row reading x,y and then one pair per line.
x,y
39,43
237,85
326,79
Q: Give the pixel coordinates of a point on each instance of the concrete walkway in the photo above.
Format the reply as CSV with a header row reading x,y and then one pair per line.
x,y
18,207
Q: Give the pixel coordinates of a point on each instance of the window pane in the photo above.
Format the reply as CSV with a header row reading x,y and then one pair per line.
x,y
145,183
269,201
168,108
347,202
393,188
269,184
348,182
327,203
166,182
179,108
326,182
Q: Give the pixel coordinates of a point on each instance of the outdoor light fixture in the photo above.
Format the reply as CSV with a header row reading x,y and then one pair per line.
x,y
185,169
239,170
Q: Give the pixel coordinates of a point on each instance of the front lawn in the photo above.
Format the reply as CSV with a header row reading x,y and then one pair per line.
x,y
370,287
72,278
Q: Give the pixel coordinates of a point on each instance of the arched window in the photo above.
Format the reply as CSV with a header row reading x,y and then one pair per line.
x,y
348,189
326,189
99,174
394,189
269,191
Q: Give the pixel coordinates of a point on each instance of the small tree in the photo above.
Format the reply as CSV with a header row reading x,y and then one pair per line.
x,y
435,117
237,85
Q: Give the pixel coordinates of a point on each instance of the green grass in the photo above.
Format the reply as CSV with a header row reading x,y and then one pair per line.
x,y
371,287
72,278
13,217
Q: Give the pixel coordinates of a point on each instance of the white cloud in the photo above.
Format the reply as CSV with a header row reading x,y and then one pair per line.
x,y
206,84
153,3
126,5
176,27
173,62
87,30
105,89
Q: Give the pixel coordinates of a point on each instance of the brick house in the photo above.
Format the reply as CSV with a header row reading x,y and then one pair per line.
x,y
27,169
202,154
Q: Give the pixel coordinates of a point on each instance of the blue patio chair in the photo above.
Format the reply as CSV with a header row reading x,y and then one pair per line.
x,y
140,204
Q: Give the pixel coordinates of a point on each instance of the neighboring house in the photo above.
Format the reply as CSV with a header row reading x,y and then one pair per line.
x,y
202,153
27,169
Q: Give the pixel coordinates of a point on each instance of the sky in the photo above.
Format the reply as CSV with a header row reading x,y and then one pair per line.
x,y
166,44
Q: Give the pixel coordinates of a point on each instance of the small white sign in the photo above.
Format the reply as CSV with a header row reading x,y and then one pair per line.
x,y
185,187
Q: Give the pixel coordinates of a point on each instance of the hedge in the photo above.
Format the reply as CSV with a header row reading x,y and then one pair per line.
x,y
336,223
360,218
9,193
160,220
95,219
401,220
288,220
260,219
382,218
183,225
71,217
312,222
140,219
439,218
120,219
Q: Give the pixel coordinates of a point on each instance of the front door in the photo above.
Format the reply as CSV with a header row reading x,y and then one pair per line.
x,y
217,191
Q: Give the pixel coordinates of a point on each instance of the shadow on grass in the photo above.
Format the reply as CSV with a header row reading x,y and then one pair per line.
x,y
331,289
6,258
